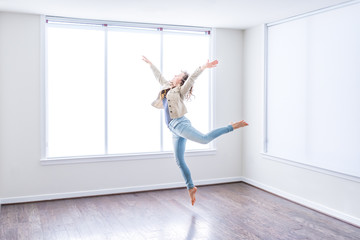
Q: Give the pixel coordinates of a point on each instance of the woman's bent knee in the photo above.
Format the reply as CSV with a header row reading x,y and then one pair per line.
x,y
204,140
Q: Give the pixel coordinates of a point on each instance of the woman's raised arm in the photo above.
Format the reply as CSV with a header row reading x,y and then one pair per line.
x,y
190,81
156,72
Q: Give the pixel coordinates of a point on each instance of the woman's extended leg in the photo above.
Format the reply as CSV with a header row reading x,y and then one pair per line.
x,y
194,135
187,131
179,150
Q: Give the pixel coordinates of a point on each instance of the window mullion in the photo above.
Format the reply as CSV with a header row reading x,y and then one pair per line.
x,y
106,87
161,70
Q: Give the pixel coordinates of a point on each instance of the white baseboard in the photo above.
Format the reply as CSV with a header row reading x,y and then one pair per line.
x,y
304,202
55,196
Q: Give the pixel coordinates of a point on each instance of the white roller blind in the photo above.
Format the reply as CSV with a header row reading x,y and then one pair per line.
x,y
313,90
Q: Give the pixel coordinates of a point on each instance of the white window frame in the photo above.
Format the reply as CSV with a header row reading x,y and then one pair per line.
x,y
44,160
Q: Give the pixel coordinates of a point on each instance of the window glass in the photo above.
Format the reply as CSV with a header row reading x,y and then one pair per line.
x,y
75,94
133,124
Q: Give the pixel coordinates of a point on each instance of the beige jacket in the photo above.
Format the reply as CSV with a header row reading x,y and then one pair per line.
x,y
175,96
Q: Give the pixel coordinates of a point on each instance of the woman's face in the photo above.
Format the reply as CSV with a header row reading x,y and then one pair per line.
x,y
177,79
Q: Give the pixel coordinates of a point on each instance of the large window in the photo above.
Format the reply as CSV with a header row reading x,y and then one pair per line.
x,y
99,91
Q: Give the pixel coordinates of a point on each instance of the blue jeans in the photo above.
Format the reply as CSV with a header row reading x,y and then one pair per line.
x,y
182,130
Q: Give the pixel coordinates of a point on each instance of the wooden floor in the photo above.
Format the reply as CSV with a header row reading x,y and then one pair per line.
x,y
227,211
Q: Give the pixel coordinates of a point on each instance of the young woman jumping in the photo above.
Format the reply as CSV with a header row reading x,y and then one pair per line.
x,y
171,99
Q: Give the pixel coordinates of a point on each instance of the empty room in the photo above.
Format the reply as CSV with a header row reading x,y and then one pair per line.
x,y
160,119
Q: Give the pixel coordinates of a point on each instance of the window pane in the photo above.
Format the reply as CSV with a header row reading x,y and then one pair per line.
x,y
75,92
132,122
187,52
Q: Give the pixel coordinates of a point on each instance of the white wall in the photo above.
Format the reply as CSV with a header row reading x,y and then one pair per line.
x,y
23,178
329,194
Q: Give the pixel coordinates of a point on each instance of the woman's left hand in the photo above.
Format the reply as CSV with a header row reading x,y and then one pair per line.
x,y
209,64
146,60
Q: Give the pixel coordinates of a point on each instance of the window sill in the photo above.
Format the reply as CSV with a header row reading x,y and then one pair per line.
x,y
310,167
122,157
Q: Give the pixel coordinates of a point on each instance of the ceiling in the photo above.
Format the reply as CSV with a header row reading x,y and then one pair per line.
x,y
239,14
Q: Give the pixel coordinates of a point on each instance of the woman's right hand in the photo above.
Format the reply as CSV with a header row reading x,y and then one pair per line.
x,y
209,64
146,60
